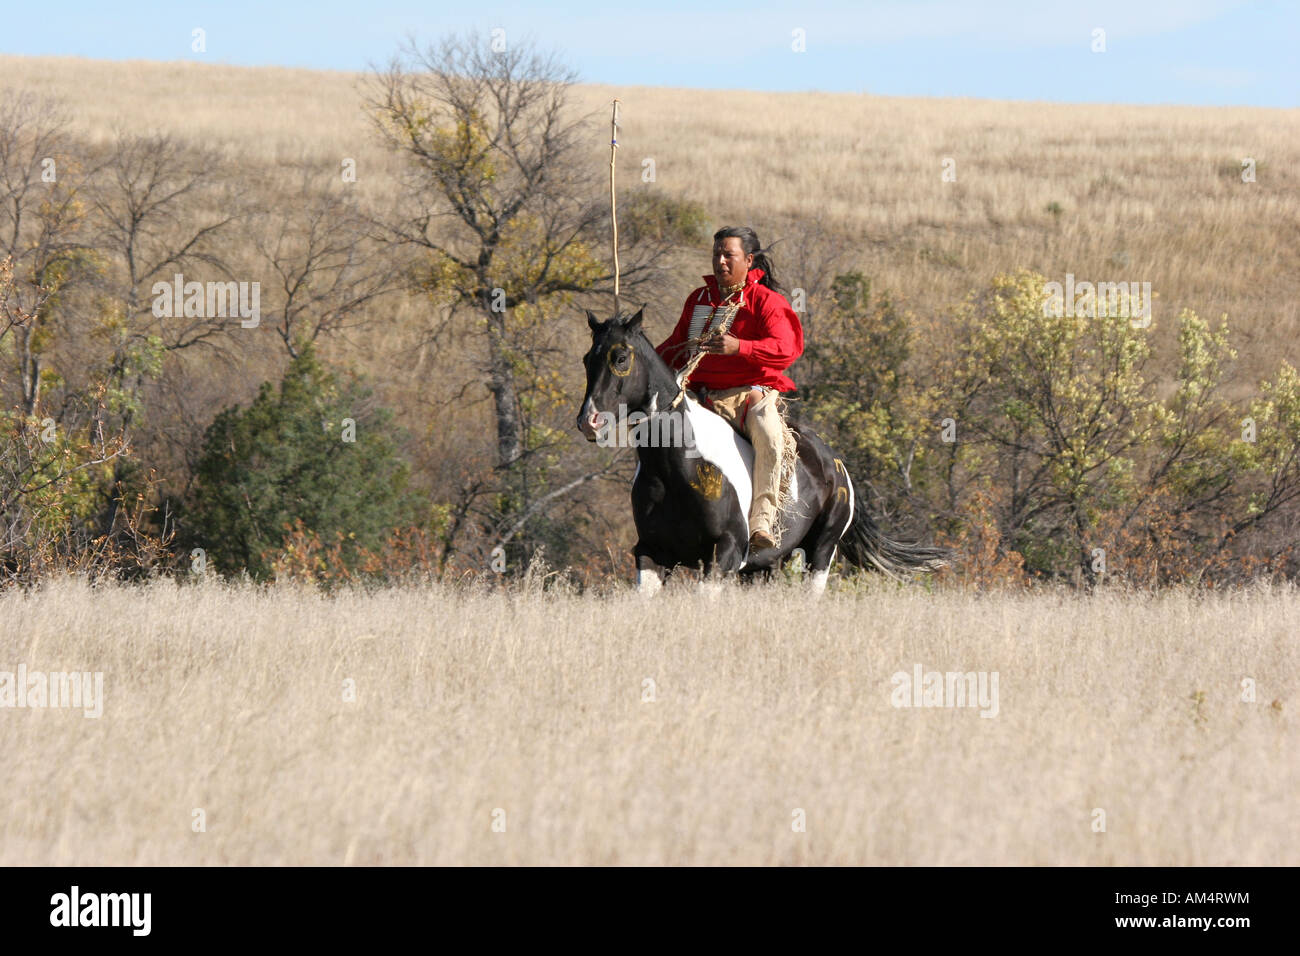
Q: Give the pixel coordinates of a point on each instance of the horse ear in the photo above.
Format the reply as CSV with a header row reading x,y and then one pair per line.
x,y
634,323
592,321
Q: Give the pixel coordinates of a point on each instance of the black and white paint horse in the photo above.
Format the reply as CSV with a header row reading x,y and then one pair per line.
x,y
692,488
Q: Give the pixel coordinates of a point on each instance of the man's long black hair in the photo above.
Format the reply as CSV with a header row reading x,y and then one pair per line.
x,y
762,257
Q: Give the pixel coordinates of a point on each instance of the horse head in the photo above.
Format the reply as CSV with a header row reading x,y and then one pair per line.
x,y
623,369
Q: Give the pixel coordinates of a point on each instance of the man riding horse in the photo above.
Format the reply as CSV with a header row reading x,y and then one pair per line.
x,y
741,373
709,499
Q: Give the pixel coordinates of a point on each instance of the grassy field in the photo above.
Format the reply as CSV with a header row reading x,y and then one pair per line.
x,y
467,702
231,701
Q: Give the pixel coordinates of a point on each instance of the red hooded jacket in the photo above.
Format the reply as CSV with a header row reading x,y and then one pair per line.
x,y
771,338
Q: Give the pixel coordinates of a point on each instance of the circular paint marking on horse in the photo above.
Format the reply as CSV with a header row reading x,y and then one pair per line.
x,y
618,351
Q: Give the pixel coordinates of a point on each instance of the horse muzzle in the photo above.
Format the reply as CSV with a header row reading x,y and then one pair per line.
x,y
589,420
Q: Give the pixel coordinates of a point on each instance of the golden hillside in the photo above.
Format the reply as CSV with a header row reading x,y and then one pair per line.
x,y
1144,193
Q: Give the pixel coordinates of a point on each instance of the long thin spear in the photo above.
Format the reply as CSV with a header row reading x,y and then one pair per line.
x,y
613,206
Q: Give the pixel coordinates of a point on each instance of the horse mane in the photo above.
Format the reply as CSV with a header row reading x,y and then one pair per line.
x,y
646,351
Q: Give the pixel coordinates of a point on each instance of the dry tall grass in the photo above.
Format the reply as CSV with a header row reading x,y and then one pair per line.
x,y
231,701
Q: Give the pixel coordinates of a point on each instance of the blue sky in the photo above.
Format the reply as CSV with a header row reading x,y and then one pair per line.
x,y
1214,52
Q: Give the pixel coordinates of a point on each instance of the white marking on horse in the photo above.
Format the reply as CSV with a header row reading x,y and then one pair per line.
x,y
848,481
648,582
721,445
718,443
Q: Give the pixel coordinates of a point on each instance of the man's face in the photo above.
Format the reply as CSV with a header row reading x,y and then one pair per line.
x,y
730,264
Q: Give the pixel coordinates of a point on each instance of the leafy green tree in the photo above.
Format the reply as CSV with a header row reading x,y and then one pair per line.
x,y
1060,408
288,458
1058,413
860,394
1271,447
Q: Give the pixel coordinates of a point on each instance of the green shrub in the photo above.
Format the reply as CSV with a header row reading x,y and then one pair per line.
x,y
285,459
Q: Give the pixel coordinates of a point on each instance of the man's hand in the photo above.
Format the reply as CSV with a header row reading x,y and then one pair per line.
x,y
727,344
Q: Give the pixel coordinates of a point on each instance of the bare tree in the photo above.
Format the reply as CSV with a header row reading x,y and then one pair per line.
x,y
504,199
32,142
499,190
160,209
328,267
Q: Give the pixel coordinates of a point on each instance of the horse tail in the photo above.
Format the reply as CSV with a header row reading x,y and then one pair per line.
x,y
866,546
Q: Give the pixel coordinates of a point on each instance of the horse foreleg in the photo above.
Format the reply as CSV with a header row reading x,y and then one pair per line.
x,y
649,575
727,557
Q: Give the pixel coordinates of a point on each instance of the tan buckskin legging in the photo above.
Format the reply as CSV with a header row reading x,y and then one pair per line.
x,y
752,410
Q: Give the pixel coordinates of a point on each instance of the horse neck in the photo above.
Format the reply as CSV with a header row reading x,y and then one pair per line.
x,y
661,385
661,391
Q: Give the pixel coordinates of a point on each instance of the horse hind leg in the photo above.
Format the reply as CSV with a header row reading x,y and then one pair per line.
x,y
826,540
819,554
820,575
